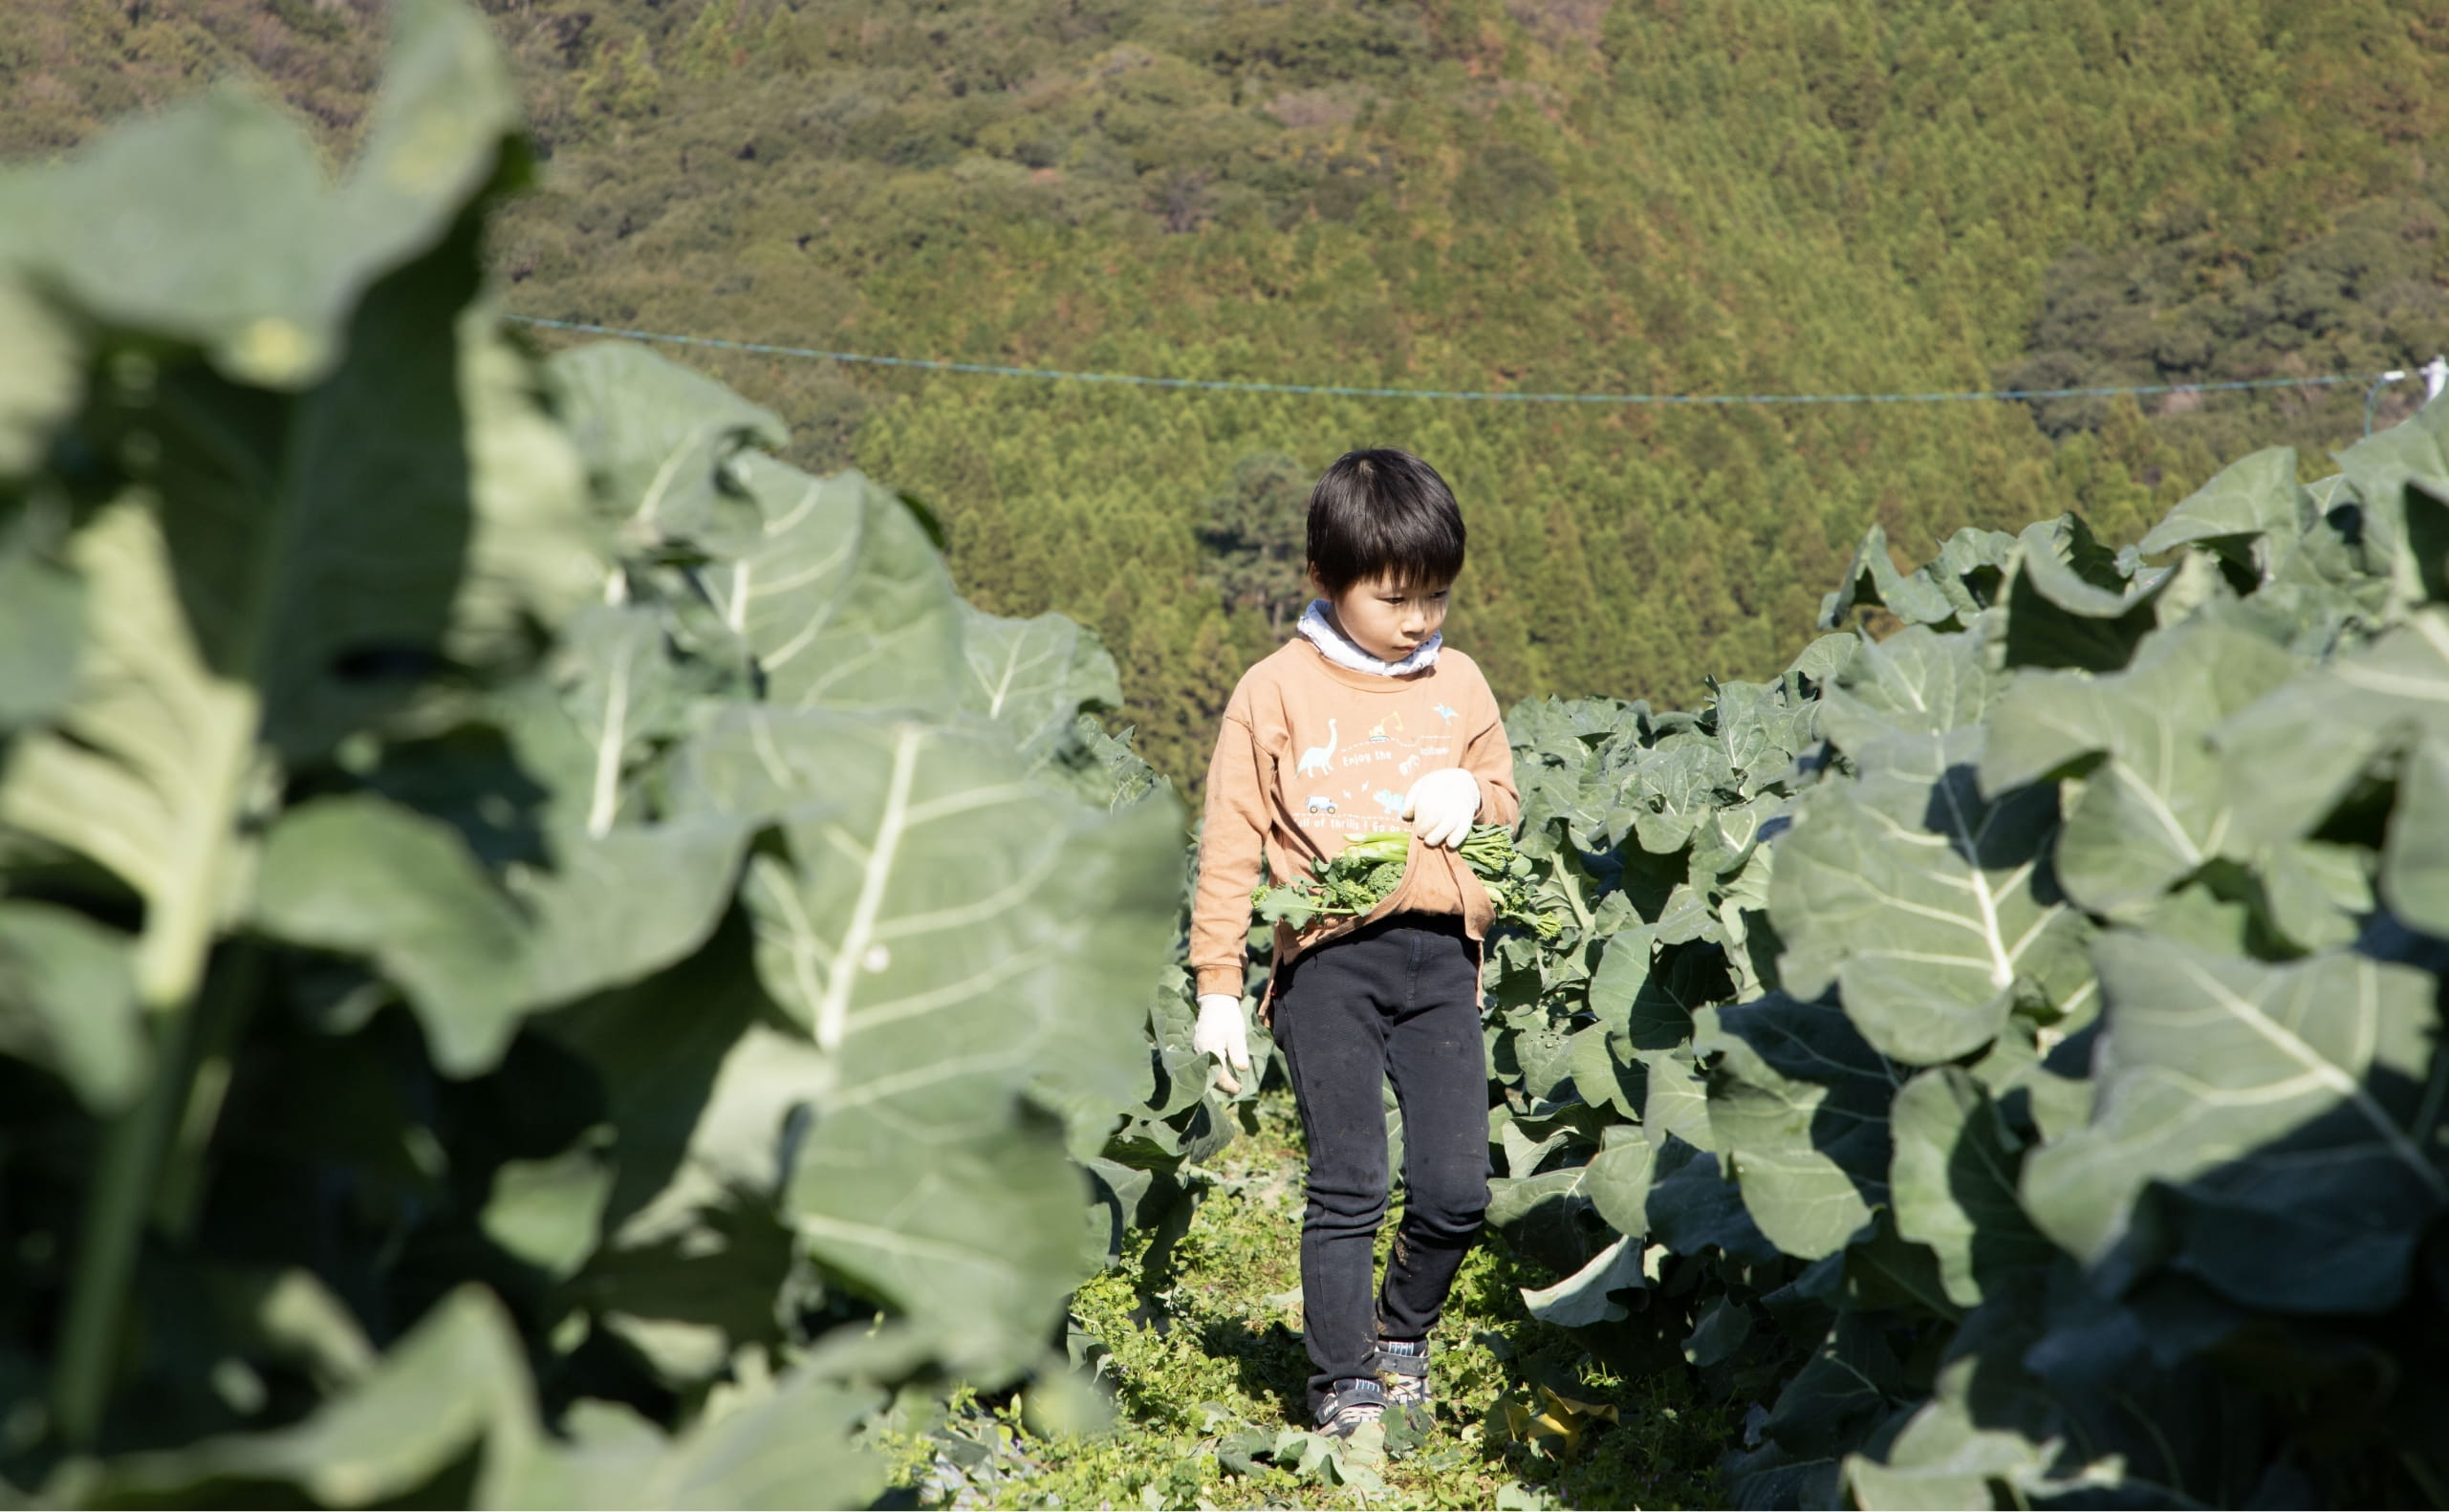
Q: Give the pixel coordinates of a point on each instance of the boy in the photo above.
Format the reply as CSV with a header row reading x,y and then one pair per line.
x,y
1364,720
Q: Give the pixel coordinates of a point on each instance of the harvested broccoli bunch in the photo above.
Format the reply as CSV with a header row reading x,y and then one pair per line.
x,y
1506,874
1350,885
1371,866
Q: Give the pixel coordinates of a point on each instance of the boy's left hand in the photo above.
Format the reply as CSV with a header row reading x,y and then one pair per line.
x,y
1443,805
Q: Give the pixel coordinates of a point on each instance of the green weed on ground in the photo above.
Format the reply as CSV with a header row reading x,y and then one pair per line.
x,y
1198,1345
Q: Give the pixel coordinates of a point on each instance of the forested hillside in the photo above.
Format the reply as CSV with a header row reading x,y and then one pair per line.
x,y
1744,196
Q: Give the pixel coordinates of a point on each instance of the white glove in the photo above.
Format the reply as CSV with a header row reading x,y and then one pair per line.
x,y
1223,1033
1443,805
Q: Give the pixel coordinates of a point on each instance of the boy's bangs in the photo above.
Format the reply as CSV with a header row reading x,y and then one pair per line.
x,y
1407,563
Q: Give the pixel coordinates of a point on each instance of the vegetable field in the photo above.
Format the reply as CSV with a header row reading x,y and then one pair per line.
x,y
550,958
545,957
2010,1051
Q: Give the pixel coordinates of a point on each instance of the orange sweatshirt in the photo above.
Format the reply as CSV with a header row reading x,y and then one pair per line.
x,y
1311,755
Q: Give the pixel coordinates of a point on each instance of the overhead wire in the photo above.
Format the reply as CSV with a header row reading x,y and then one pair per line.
x,y
1364,391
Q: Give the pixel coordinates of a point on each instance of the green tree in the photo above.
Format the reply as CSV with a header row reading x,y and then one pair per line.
x,y
1746,197
1255,535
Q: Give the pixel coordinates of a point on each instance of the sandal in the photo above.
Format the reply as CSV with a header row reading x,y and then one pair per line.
x,y
1402,1365
1354,1401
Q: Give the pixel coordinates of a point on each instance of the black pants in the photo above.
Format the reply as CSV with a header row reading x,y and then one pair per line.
x,y
1398,1000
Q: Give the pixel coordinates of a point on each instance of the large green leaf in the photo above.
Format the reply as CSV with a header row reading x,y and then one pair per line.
x,y
843,599
1914,683
2248,499
145,771
1674,1096
2424,504
2050,1394
2040,1078
1606,1073
1849,1383
1619,986
270,262
660,443
1035,675
1586,1298
326,561
1954,1183
1799,1104
2414,861
1821,661
623,698
2288,760
2074,603
952,933
2154,811
1943,1460
1927,904
41,620
1760,728
2316,894
621,890
473,953
2321,588
68,1002
973,1233
790,1444
1971,567
1872,579
363,875
1990,1424
705,1093
614,908
548,1213
2275,1131
1546,1216
303,570
2379,471
1691,1206
456,1387
933,892
1662,794
41,382
1615,1181
457,1381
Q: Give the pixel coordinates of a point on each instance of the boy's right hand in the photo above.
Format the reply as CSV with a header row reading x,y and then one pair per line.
x,y
1224,1032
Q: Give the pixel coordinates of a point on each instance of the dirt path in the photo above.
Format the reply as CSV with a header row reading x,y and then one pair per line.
x,y
1197,1350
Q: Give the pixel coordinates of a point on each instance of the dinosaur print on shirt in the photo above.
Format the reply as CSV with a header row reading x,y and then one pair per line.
x,y
1356,786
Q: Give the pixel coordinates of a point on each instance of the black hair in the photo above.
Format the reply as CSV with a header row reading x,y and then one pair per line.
x,y
1383,512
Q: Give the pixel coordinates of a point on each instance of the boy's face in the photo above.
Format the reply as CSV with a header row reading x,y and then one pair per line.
x,y
1386,619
